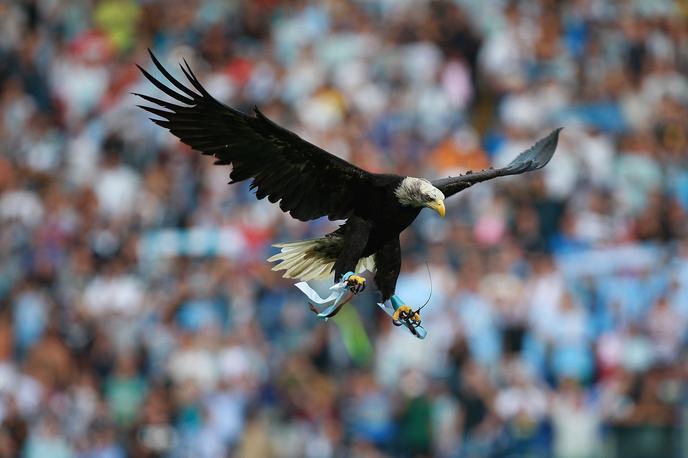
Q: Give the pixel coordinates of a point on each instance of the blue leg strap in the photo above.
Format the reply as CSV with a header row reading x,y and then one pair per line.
x,y
396,301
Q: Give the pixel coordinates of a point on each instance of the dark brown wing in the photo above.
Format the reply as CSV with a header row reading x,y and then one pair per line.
x,y
307,181
534,158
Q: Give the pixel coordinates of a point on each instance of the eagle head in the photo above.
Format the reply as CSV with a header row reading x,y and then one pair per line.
x,y
419,192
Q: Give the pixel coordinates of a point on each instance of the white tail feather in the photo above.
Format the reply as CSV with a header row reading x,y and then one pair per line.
x,y
298,262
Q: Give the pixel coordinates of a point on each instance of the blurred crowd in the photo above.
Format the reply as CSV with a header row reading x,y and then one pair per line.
x,y
138,316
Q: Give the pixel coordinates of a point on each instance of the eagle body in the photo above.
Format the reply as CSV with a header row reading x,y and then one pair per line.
x,y
308,182
369,240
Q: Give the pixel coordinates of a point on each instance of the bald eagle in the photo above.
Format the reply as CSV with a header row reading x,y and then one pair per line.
x,y
308,183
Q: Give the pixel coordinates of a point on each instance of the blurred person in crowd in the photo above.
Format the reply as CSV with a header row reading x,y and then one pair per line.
x,y
576,421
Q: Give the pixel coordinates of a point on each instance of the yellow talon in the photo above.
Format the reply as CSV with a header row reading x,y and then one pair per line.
x,y
397,313
356,279
356,283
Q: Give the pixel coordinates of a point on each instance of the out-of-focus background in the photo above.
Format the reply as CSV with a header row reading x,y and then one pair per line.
x,y
138,316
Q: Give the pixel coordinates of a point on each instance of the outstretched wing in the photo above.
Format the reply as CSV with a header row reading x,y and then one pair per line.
x,y
534,158
307,181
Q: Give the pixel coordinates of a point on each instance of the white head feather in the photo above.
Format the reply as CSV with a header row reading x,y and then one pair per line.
x,y
417,192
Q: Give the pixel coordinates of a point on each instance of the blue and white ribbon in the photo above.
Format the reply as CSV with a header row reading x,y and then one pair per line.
x,y
341,294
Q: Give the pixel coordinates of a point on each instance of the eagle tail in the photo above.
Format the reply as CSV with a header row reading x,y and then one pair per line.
x,y
312,259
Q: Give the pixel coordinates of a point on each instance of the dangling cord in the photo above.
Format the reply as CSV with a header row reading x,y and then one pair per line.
x,y
430,295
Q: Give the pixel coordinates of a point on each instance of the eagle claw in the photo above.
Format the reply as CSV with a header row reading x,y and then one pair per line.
x,y
356,283
405,314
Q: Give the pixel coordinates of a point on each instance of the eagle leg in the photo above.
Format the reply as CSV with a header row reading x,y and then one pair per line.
x,y
355,237
403,315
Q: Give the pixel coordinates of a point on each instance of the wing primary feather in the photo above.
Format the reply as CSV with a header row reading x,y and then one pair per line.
x,y
194,81
165,89
162,103
191,76
171,78
156,111
161,122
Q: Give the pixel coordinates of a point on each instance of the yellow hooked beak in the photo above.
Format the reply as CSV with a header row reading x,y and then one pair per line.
x,y
438,206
